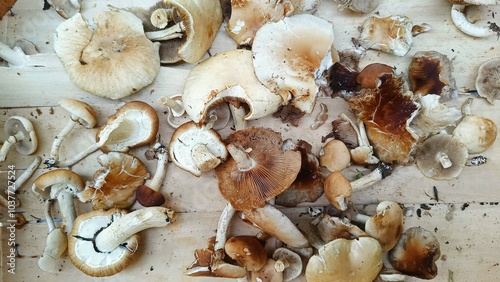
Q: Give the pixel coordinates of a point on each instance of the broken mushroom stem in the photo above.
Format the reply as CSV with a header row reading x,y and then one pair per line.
x,y
160,17
56,244
27,173
175,31
174,104
363,154
241,157
238,113
380,172
222,228
15,57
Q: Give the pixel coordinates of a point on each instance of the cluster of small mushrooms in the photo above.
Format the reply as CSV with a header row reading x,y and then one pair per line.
x,y
279,69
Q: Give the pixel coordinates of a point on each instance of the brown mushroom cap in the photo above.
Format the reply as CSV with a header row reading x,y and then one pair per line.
x,y
247,250
386,225
273,169
335,155
369,76
488,80
149,197
416,253
337,189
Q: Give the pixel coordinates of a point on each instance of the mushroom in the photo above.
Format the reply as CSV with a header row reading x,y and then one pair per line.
x,y
63,185
290,54
334,155
80,113
463,24
56,245
475,132
338,188
267,273
361,154
332,227
15,57
247,251
103,243
65,8
149,195
359,6
441,156
21,134
488,80
345,131
346,260
288,262
228,76
134,124
416,253
114,61
115,184
258,170
20,180
369,76
196,148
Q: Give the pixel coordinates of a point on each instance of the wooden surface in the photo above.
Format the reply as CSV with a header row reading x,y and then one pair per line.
x,y
465,220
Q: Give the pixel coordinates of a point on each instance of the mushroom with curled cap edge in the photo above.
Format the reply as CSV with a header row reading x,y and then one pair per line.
x,y
134,124
416,253
247,251
475,132
459,18
80,113
21,134
102,243
258,170
114,61
441,156
488,80
63,185
56,245
196,148
356,260
288,262
115,183
149,195
288,55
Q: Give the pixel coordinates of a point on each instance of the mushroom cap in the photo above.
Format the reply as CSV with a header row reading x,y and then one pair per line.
x,y
386,225
391,34
134,124
115,184
266,273
332,227
186,137
335,155
289,54
57,180
416,253
27,141
114,61
248,16
439,146
81,248
247,250
230,77
387,112
81,112
476,133
64,8
202,20
149,197
288,262
369,76
356,260
337,190
488,80
273,171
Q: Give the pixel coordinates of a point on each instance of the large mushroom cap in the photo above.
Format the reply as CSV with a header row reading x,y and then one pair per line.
x,y
271,172
247,250
114,61
289,53
488,80
386,225
71,181
26,137
230,77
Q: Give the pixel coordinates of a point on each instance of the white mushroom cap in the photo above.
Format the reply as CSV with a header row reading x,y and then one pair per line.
x,y
289,53
21,134
488,80
227,76
114,61
65,8
81,112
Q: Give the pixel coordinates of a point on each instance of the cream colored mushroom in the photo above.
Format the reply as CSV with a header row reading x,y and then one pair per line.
x,y
20,133
56,245
488,80
463,24
66,8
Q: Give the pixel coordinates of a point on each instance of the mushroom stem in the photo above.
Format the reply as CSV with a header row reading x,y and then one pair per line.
x,y
175,31
361,141
161,168
203,158
382,171
94,147
444,159
241,157
175,105
281,264
67,206
19,136
54,151
212,119
238,114
48,217
15,57
459,19
361,218
129,224
160,17
466,107
222,227
56,244
27,173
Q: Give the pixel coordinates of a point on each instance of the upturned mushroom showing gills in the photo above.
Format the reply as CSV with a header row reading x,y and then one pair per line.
x,y
80,113
343,260
196,148
134,124
21,134
290,54
258,169
103,243
488,80
228,76
114,61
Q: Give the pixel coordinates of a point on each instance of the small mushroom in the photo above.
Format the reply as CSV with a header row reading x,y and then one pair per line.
x,y
416,253
488,80
361,154
21,134
345,131
56,245
288,262
80,113
113,61
149,195
267,273
475,132
334,155
196,148
463,24
346,260
332,227
63,185
441,156
338,188
247,251
103,243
